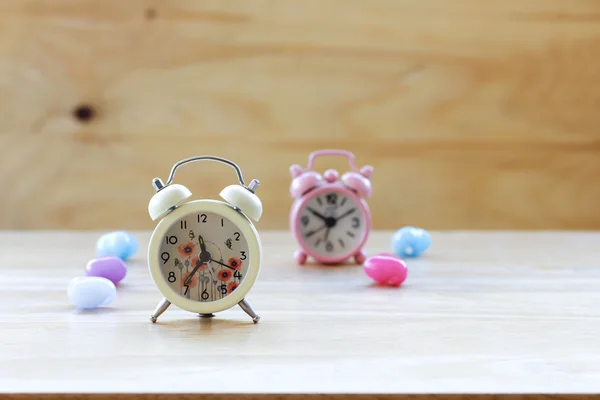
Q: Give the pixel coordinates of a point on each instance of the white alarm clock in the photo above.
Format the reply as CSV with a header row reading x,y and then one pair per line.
x,y
204,255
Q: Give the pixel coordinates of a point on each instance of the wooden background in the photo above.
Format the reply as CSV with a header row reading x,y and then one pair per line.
x,y
475,114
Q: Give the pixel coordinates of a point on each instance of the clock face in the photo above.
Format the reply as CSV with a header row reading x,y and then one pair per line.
x,y
204,257
332,224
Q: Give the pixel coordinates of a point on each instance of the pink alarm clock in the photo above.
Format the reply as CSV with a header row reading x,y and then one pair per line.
x,y
330,218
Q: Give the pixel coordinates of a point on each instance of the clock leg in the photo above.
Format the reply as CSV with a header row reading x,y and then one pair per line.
x,y
360,257
161,308
249,310
300,257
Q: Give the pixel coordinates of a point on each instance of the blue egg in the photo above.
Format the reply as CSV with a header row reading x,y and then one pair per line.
x,y
117,244
88,292
410,241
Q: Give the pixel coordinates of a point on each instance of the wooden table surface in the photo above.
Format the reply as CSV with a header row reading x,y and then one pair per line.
x,y
495,312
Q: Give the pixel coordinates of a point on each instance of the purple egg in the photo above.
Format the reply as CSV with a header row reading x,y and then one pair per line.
x,y
111,268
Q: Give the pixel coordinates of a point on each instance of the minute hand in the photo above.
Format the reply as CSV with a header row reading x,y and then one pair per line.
x,y
345,214
191,275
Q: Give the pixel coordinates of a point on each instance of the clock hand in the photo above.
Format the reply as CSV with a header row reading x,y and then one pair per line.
x,y
327,233
190,276
201,242
212,273
345,214
309,234
227,266
203,255
316,213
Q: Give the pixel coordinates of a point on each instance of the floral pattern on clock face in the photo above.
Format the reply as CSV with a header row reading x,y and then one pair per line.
x,y
332,224
204,257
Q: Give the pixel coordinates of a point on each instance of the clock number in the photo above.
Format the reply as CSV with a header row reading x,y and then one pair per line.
x,y
242,255
237,275
202,218
165,257
204,295
329,247
223,289
355,222
187,288
237,236
332,198
222,222
183,224
305,220
171,239
172,277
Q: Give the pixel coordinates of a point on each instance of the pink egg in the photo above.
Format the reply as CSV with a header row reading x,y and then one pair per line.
x,y
386,269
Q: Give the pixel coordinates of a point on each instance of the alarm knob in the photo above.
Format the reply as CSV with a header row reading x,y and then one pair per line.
x,y
304,182
244,199
358,182
166,199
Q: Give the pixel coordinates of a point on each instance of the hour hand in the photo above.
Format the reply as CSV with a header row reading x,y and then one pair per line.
x,y
316,213
201,242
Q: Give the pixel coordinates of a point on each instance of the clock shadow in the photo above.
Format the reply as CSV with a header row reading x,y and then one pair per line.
x,y
204,325
92,311
381,286
315,265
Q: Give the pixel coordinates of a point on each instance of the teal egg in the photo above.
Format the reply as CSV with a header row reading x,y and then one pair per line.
x,y
410,241
117,244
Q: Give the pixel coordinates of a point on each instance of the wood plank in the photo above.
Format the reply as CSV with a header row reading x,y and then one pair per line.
x,y
280,396
503,313
479,115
